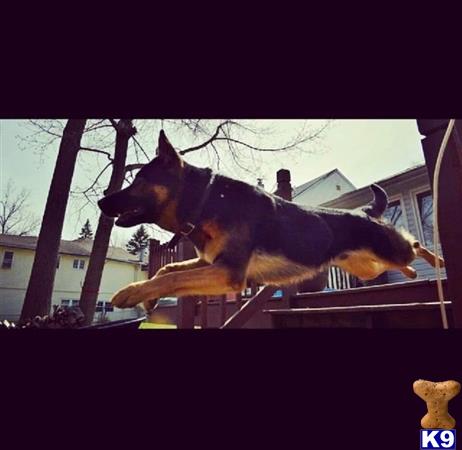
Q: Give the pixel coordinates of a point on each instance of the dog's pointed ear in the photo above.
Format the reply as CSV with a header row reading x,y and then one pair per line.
x,y
165,150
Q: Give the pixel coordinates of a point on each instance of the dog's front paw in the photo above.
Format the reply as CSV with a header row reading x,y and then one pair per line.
x,y
130,295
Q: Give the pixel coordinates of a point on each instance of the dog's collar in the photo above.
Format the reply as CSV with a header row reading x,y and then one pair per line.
x,y
188,227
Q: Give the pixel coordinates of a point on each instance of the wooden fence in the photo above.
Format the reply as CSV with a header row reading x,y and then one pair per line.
x,y
160,255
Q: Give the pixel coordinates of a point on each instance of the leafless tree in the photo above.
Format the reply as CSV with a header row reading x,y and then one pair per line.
x,y
14,215
37,300
89,295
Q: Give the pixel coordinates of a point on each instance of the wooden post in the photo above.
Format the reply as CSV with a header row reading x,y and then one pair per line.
x,y
287,295
239,300
253,288
241,317
187,250
223,301
450,201
186,312
154,245
204,311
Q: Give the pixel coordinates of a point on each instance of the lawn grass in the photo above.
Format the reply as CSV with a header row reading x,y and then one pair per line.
x,y
158,326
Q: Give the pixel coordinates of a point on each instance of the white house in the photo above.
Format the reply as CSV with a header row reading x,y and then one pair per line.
x,y
326,187
16,259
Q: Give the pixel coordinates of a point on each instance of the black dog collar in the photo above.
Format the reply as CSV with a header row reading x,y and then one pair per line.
x,y
188,227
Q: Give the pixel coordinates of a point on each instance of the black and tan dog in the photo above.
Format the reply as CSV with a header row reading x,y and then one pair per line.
x,y
243,233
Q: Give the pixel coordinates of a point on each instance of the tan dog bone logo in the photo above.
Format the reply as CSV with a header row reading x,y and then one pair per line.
x,y
437,396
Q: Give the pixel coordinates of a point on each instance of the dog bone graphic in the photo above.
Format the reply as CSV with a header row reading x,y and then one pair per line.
x,y
437,396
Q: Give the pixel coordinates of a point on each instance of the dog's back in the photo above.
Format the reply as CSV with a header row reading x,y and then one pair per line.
x,y
308,236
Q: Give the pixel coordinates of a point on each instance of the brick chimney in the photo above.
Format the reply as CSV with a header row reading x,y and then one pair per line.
x,y
284,189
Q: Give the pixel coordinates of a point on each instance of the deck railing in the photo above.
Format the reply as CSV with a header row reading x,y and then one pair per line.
x,y
339,279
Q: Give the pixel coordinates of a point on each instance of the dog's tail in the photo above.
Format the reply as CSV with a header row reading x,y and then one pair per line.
x,y
377,206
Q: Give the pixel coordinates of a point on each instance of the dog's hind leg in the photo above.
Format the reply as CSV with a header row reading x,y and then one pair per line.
x,y
409,271
426,254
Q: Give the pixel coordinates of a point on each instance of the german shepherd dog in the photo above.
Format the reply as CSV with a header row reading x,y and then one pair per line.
x,y
242,233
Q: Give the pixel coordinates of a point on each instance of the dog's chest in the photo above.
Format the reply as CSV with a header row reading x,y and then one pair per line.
x,y
266,267
212,242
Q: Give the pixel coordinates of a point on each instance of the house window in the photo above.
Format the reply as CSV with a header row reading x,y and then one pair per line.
x,y
69,302
7,260
425,205
79,263
339,188
394,214
104,307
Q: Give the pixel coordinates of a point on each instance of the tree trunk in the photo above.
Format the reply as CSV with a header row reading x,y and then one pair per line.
x,y
39,290
91,285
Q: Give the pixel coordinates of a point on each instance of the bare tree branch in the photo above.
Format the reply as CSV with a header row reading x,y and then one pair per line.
x,y
97,126
114,124
204,144
216,154
225,129
46,129
260,149
141,148
131,167
95,150
14,218
95,181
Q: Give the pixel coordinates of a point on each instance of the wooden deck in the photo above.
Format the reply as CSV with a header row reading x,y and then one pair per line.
x,y
410,315
411,304
421,291
358,309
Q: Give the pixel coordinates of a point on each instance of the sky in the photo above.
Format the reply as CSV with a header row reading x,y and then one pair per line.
x,y
365,151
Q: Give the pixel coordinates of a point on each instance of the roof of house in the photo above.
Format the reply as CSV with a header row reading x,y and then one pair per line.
x,y
409,173
78,247
310,184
